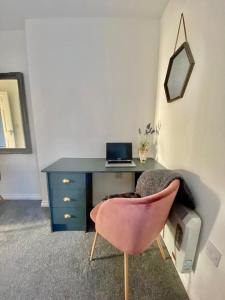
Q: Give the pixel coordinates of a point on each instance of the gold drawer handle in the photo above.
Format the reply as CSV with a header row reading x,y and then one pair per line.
x,y
67,216
66,199
65,180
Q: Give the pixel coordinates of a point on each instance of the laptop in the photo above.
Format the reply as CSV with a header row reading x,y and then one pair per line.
x,y
119,155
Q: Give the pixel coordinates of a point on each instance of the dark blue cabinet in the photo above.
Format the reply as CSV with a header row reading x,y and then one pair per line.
x,y
69,199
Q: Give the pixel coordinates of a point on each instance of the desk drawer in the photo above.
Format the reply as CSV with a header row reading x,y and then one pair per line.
x,y
68,218
66,181
70,198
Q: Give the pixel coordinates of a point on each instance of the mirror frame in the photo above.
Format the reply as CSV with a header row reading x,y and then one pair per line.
x,y
23,106
187,49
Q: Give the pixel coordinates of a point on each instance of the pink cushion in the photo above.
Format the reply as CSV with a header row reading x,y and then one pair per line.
x,y
131,225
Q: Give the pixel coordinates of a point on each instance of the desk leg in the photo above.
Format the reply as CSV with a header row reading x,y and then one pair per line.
x,y
137,175
89,197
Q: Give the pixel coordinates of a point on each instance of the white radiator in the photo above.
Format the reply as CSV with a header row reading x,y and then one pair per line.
x,y
180,235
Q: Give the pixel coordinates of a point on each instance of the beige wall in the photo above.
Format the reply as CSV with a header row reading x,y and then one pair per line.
x,y
193,130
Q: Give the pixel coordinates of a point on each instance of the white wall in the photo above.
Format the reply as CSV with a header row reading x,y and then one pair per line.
x,y
193,130
19,173
92,80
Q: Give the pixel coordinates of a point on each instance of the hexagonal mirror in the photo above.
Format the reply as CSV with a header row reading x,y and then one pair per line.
x,y
178,73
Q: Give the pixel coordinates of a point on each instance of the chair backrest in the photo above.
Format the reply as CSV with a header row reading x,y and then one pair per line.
x,y
131,225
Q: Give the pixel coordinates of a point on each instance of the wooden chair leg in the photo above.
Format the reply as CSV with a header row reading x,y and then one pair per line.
x,y
93,245
161,248
126,284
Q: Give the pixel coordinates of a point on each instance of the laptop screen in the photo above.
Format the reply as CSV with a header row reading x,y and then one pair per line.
x,y
118,151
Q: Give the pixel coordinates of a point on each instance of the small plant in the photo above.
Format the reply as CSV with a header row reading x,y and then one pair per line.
x,y
145,136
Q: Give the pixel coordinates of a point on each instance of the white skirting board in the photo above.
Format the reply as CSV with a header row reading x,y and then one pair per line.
x,y
20,197
44,203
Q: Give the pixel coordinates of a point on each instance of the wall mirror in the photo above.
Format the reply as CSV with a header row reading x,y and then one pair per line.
x,y
178,73
14,126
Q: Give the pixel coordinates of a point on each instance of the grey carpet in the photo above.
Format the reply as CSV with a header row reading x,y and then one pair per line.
x,y
37,264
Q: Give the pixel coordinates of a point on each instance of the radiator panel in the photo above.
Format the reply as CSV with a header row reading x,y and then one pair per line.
x,y
180,235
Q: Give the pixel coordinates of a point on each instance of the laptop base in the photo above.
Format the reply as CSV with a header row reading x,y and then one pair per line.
x,y
120,165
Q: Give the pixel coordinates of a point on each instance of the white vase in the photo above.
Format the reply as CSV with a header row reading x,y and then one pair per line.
x,y
143,153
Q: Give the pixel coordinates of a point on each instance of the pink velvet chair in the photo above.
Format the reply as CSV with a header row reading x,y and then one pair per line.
x,y
132,224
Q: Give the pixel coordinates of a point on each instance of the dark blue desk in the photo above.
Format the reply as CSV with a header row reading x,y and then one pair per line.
x,y
70,188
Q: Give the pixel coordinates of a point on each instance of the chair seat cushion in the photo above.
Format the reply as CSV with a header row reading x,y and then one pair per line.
x,y
122,195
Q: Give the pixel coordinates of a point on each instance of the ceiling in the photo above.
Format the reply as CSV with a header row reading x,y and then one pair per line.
x,y
14,12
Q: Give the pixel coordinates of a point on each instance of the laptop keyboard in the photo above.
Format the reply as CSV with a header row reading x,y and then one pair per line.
x,y
119,162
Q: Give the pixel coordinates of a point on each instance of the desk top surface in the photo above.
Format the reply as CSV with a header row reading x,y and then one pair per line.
x,y
97,165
